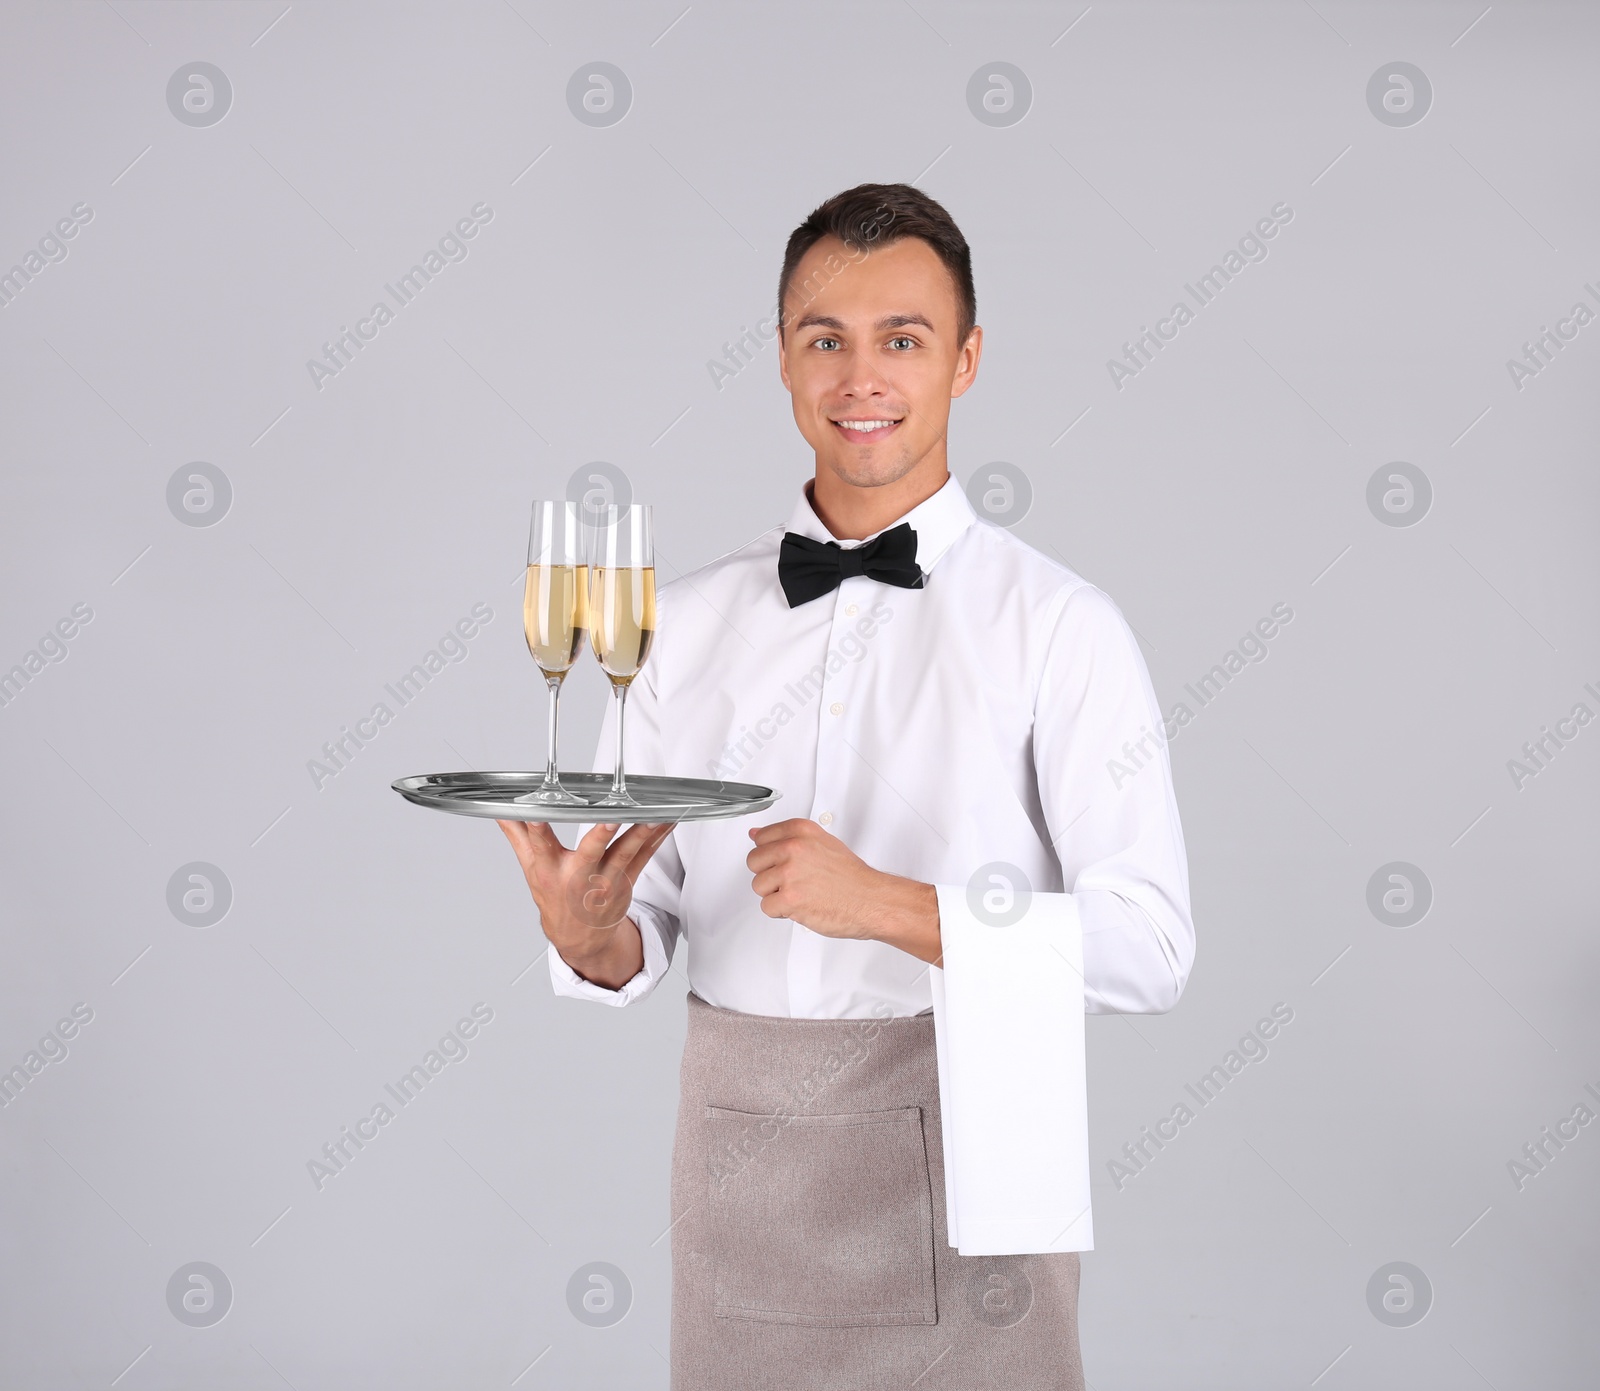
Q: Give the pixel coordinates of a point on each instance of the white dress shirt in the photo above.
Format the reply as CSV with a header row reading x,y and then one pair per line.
x,y
997,723
935,731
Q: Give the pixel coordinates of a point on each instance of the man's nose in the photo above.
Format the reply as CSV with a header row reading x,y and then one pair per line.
x,y
863,377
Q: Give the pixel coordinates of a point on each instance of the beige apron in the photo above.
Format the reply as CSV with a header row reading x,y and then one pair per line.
x,y
809,1247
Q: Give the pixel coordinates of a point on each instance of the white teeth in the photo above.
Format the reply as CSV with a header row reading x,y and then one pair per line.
x,y
865,425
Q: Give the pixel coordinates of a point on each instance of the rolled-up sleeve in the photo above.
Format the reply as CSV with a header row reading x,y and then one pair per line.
x,y
656,892
1105,786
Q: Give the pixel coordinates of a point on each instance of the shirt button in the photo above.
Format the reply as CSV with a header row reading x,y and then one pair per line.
x,y
826,819
837,708
850,610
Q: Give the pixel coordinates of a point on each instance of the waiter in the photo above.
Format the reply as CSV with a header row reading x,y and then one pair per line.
x,y
955,873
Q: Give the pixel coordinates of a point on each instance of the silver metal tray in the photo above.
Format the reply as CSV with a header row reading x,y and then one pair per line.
x,y
662,799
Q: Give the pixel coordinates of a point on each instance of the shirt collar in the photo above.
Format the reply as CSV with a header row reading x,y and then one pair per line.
x,y
937,520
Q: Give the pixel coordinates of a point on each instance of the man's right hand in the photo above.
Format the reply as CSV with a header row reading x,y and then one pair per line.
x,y
583,894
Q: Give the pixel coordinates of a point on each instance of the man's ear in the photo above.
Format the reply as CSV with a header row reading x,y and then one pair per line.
x,y
783,362
967,363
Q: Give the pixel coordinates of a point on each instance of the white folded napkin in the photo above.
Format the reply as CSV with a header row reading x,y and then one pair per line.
x,y
1008,1023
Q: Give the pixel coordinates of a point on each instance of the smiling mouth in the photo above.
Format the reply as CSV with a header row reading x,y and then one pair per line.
x,y
865,431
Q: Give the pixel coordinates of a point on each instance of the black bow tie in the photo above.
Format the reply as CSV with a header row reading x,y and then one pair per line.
x,y
808,569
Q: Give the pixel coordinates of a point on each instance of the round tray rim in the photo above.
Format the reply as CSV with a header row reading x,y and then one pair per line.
x,y
449,792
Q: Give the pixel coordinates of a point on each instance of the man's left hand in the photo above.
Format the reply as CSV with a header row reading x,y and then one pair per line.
x,y
811,877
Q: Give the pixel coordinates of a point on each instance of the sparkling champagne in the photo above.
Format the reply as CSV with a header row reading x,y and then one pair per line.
x,y
622,608
555,615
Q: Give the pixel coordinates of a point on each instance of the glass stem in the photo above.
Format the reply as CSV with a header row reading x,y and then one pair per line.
x,y
618,786
551,780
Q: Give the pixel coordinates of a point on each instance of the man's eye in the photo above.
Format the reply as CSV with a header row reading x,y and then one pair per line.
x,y
826,344
902,343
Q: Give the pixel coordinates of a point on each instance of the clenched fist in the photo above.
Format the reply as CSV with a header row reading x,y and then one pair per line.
x,y
811,877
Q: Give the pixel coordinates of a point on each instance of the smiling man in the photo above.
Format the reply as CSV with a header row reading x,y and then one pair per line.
x,y
901,947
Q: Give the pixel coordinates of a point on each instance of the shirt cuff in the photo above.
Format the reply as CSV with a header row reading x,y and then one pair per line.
x,y
1128,966
656,928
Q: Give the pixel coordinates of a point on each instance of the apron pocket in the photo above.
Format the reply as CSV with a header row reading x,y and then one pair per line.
x,y
825,1221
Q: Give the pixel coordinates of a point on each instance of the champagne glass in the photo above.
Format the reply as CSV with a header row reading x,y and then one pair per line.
x,y
555,616
622,608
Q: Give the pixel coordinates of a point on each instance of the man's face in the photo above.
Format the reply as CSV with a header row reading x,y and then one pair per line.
x,y
870,357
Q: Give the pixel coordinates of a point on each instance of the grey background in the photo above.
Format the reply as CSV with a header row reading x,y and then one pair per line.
x,y
369,516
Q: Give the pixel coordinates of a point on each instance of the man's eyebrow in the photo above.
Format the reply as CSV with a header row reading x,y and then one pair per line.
x,y
887,322
819,321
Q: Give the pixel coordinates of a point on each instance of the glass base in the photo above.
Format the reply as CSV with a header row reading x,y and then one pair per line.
x,y
552,796
616,799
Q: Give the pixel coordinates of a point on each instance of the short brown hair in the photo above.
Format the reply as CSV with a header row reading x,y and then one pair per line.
x,y
871,215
